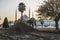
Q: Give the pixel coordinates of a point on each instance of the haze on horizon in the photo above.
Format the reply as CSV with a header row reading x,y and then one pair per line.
x,y
8,7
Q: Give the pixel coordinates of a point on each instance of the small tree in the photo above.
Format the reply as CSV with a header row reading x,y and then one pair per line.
x,y
21,9
42,22
5,23
31,21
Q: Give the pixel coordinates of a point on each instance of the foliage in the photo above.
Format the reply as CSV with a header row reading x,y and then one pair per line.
x,y
5,23
50,9
21,8
31,21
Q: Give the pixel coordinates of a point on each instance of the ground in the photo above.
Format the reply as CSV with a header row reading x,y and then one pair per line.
x,y
21,31
29,36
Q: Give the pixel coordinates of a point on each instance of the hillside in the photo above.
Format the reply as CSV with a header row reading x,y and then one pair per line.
x,y
19,28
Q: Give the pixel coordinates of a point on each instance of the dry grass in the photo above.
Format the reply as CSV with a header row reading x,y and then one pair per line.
x,y
49,30
46,29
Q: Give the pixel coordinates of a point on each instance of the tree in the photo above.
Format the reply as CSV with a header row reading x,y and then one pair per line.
x,y
32,21
5,23
50,8
42,22
21,8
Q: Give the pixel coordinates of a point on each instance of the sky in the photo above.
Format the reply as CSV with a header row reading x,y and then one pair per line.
x,y
8,7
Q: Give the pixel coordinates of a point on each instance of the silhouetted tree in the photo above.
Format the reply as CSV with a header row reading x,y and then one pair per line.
x,y
32,21
50,9
21,8
42,22
5,23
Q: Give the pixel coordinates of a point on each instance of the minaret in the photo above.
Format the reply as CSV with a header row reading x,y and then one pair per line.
x,y
29,12
15,14
0,17
32,15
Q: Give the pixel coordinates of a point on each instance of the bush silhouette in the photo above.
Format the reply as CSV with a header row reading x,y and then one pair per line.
x,y
5,23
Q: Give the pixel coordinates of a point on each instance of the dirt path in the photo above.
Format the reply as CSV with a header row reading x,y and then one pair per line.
x,y
47,36
5,37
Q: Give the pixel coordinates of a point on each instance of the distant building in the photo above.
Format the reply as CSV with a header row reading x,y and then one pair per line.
x,y
25,18
46,23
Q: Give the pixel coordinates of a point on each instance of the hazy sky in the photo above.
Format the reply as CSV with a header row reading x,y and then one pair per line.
x,y
8,7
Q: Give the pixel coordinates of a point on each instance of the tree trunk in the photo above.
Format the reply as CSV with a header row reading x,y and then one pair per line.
x,y
56,22
21,16
32,25
56,25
